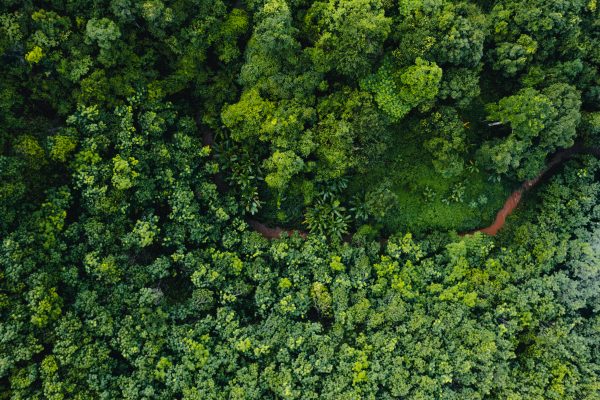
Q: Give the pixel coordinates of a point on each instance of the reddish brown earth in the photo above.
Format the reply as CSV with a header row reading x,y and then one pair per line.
x,y
511,203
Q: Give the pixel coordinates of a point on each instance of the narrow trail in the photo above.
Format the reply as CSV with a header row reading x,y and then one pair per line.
x,y
509,205
273,233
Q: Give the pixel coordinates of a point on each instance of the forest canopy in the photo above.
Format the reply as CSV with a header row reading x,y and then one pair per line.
x,y
282,199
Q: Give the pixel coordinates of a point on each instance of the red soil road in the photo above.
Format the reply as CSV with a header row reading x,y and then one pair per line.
x,y
510,204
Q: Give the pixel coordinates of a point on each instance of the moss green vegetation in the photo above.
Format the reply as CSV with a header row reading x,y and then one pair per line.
x,y
261,199
422,199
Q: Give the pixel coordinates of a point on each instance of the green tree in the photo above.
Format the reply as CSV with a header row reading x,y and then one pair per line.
x,y
104,33
284,165
541,122
397,92
349,35
446,141
447,32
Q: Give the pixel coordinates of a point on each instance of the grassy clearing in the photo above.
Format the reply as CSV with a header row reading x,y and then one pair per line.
x,y
424,197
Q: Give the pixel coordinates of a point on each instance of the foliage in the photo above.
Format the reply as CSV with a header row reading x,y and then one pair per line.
x,y
541,122
399,91
150,151
327,217
349,34
447,141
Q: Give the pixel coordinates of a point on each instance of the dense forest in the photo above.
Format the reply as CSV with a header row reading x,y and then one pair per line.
x,y
280,199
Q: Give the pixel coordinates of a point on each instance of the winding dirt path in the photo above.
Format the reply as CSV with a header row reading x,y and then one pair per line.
x,y
513,200
509,205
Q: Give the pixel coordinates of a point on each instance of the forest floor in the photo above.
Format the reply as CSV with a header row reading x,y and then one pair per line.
x,y
509,205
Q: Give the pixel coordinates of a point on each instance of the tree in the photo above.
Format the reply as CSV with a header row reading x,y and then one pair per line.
x,y
284,165
104,33
519,30
446,141
349,35
441,31
460,85
350,134
514,57
397,92
328,218
273,53
541,122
